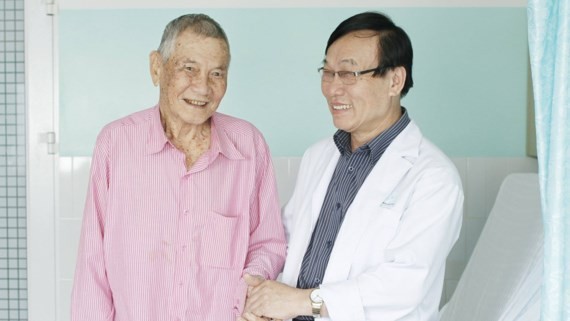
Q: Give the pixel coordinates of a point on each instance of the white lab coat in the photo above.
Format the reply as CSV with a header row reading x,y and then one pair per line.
x,y
389,257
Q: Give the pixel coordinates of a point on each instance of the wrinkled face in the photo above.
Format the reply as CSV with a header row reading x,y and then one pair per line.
x,y
366,107
193,80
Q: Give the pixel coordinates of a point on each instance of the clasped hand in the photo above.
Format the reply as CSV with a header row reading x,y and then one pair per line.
x,y
271,300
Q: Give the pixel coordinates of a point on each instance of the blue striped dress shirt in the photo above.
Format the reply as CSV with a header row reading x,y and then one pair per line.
x,y
349,175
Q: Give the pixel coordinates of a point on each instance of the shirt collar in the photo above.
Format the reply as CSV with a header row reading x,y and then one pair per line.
x,y
156,137
378,144
220,143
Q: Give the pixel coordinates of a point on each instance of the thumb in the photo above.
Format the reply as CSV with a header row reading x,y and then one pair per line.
x,y
253,280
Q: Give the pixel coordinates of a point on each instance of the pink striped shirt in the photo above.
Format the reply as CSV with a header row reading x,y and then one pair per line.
x,y
162,243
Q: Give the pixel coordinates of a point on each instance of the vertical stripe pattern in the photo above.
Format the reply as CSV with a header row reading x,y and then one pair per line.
x,y
349,175
160,242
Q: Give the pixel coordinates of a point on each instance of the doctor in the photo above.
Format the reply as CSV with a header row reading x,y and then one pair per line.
x,y
377,207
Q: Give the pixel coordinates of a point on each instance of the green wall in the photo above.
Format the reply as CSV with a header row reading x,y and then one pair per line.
x,y
470,73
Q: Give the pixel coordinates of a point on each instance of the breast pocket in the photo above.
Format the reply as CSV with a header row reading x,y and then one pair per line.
x,y
222,241
380,229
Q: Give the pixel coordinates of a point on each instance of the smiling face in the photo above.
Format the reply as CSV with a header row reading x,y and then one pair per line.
x,y
192,81
372,104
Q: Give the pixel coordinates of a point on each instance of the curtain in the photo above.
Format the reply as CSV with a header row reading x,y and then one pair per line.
x,y
549,45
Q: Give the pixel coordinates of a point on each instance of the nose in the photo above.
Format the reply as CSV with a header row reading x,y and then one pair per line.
x,y
200,84
332,88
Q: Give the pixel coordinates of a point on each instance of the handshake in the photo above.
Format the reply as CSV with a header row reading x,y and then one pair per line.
x,y
272,300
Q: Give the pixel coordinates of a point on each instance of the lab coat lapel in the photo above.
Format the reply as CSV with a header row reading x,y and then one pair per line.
x,y
376,191
306,223
321,190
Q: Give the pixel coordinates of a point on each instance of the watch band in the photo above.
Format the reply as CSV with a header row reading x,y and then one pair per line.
x,y
316,309
316,303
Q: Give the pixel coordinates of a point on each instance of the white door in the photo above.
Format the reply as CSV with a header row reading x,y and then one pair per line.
x,y
41,166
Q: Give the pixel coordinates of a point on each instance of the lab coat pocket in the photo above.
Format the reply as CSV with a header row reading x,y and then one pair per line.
x,y
220,241
399,258
380,228
387,224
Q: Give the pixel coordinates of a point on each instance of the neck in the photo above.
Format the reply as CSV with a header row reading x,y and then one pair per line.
x,y
358,139
192,140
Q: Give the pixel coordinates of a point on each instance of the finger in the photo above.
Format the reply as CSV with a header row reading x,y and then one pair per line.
x,y
252,304
251,317
253,280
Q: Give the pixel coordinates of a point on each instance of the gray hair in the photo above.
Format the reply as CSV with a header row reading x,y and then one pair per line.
x,y
200,24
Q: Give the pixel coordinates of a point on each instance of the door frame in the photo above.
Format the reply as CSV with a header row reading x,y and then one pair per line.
x,y
41,112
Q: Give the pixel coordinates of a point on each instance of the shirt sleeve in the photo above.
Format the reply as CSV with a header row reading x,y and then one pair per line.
x,y
267,244
91,296
428,229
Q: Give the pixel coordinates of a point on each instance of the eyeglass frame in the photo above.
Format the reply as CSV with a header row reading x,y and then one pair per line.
x,y
356,74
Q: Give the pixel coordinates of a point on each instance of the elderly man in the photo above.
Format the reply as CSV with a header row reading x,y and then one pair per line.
x,y
182,200
377,207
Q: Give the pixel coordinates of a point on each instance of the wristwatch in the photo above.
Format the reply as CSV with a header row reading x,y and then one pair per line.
x,y
316,302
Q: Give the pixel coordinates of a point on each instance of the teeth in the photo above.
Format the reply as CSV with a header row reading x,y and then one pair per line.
x,y
341,107
196,102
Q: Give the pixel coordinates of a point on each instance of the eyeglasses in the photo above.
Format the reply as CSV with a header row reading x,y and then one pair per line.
x,y
346,77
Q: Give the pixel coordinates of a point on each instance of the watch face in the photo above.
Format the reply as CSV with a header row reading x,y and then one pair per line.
x,y
316,296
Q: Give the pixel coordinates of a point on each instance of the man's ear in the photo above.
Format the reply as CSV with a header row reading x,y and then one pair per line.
x,y
397,80
155,60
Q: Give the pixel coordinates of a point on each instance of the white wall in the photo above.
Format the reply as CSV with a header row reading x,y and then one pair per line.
x,y
481,179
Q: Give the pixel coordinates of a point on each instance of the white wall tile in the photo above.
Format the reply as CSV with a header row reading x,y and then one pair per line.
x,y
481,179
65,205
495,173
281,165
286,169
294,164
68,242
475,188
81,171
458,252
64,304
461,165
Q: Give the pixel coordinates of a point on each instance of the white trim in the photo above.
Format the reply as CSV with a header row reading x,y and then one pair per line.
x,y
200,4
41,167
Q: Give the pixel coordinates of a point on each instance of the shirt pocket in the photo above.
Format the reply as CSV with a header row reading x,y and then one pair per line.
x,y
222,241
381,227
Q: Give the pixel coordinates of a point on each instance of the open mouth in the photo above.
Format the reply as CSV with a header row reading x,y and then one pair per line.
x,y
195,102
341,107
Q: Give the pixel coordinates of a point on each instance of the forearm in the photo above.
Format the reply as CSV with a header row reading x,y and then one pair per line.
x,y
92,299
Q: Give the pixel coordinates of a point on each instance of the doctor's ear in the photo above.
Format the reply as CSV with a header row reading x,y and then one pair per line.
x,y
397,80
155,62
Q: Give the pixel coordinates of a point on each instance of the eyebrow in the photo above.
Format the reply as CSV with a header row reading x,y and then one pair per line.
x,y
185,61
188,60
347,60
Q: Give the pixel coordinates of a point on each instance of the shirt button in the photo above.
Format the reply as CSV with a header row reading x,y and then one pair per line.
x,y
317,280
350,168
338,205
186,212
329,244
